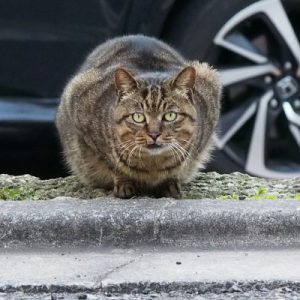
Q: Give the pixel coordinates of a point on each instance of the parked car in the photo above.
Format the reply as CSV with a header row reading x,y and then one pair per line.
x,y
254,44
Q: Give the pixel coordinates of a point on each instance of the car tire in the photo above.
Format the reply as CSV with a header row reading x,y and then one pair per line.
x,y
194,28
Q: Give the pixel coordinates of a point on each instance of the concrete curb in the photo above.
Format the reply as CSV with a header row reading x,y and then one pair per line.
x,y
106,222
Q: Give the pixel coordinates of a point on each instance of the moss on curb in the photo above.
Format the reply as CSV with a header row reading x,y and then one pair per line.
x,y
206,185
29,187
239,186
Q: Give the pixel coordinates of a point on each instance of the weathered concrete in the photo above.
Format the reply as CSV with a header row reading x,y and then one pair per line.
x,y
191,246
158,270
206,185
105,222
83,242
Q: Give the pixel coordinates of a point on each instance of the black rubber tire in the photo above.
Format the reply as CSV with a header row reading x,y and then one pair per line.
x,y
193,24
191,28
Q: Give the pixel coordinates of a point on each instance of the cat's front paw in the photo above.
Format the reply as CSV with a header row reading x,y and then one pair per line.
x,y
170,189
124,190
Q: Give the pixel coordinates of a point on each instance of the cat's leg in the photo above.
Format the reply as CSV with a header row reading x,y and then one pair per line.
x,y
124,187
169,188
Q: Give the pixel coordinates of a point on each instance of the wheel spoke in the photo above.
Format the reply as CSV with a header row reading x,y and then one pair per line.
x,y
235,75
237,43
294,120
248,113
255,161
295,132
238,39
240,48
276,13
290,114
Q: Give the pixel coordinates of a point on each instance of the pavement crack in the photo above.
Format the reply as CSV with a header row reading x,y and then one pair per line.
x,y
118,268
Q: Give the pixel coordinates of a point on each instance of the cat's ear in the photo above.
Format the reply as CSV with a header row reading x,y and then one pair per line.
x,y
124,81
185,79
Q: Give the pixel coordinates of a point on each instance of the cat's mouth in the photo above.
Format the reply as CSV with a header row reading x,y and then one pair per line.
x,y
154,146
156,149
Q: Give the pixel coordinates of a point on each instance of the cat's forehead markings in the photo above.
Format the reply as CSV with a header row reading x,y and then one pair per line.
x,y
145,92
153,100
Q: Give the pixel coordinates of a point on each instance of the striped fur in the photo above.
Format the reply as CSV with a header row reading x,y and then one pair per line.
x,y
104,147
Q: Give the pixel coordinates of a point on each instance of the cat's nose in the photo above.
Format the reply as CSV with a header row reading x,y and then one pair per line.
x,y
154,135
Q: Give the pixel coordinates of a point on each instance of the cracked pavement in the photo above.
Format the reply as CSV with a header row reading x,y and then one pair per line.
x,y
142,271
148,273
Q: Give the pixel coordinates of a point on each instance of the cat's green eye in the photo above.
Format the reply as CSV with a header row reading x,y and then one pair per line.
x,y
170,116
138,117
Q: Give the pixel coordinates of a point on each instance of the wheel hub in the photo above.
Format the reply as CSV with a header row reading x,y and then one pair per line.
x,y
286,88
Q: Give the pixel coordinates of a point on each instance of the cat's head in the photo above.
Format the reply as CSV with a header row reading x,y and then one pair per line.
x,y
155,115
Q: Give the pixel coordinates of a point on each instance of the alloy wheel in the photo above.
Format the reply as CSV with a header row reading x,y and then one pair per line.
x,y
259,61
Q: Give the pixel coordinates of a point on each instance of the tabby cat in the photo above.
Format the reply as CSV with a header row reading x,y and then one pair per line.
x,y
138,117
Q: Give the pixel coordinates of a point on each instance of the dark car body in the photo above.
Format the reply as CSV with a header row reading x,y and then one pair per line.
x,y
42,44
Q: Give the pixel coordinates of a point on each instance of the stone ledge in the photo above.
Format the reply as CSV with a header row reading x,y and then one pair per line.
x,y
206,185
110,222
68,213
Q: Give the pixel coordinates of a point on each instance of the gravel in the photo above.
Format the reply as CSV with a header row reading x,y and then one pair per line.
x,y
282,293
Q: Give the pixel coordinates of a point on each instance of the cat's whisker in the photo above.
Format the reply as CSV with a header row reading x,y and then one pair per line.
x,y
125,143
173,153
124,150
140,157
182,155
128,161
188,154
130,155
189,143
185,150
176,153
185,154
